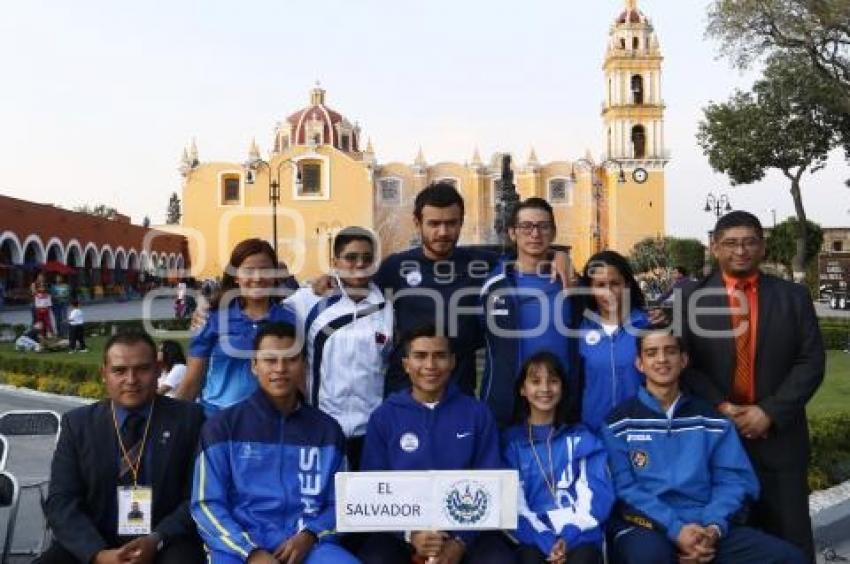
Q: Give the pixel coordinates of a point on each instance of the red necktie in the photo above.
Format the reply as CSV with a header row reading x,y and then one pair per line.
x,y
742,389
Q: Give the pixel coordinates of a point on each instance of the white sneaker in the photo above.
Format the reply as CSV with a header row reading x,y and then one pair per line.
x,y
84,350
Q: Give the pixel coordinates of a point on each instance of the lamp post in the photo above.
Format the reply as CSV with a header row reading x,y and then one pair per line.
x,y
596,171
718,205
274,188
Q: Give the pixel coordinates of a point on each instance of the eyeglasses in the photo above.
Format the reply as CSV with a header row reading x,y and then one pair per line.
x,y
354,258
749,244
527,227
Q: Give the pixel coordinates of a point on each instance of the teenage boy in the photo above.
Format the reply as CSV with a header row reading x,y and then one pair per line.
x,y
681,476
348,336
432,426
525,310
264,475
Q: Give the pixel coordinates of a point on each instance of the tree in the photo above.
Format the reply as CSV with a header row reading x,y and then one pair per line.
x,y
667,253
100,210
782,243
817,32
783,124
172,214
146,222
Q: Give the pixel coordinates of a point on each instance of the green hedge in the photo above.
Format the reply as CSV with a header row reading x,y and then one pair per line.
x,y
830,461
71,371
835,337
109,327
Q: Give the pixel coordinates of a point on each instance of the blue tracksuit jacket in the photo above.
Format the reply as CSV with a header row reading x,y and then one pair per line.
x,y
501,305
458,434
671,471
607,364
261,477
584,491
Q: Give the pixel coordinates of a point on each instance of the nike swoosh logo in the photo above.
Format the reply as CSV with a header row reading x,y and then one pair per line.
x,y
462,435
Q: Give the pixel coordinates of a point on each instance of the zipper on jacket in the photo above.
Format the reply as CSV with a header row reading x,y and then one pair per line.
x,y
613,373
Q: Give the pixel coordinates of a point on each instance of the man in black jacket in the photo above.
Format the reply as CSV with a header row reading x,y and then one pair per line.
x,y
133,450
757,354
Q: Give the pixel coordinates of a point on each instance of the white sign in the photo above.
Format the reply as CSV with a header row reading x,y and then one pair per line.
x,y
432,500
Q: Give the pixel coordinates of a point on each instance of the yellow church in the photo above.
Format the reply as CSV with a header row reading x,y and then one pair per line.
x,y
322,178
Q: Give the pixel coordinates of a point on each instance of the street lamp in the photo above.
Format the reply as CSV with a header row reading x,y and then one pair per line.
x,y
274,188
718,205
597,170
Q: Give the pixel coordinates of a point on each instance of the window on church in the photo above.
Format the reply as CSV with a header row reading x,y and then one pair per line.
x,y
623,44
637,89
639,142
284,142
345,143
559,191
837,246
389,190
230,190
635,43
311,178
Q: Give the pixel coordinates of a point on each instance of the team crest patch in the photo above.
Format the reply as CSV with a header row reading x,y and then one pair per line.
x,y
592,337
467,502
639,459
413,278
409,442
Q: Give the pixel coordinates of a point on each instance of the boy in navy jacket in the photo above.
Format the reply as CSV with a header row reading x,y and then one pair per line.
x,y
432,426
681,475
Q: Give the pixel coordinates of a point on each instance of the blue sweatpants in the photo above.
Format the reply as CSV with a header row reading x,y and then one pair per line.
x,y
742,545
322,553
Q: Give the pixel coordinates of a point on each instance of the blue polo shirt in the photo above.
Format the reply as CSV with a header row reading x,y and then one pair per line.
x,y
226,342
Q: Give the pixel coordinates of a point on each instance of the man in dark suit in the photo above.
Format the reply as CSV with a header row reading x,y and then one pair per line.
x,y
133,441
757,354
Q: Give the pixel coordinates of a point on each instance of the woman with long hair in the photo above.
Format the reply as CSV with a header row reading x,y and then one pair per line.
x,y
611,310
219,367
565,495
172,366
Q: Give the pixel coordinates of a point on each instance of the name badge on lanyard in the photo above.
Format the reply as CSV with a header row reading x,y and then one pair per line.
x,y
134,510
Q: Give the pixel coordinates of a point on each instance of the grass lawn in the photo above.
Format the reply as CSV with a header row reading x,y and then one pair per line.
x,y
834,394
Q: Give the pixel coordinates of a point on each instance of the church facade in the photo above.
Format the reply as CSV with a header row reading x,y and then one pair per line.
x,y
323,177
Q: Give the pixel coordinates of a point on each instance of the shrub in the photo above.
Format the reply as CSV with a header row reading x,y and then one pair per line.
x,y
55,385
92,389
830,460
835,337
20,380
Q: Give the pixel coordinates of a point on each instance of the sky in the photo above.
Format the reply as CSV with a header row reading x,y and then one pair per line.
x,y
98,98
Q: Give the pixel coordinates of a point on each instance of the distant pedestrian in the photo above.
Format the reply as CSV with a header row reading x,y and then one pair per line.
x,y
76,328
43,304
60,293
31,340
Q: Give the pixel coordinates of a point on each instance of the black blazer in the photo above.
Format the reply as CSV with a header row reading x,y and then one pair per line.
x,y
84,472
789,361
